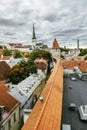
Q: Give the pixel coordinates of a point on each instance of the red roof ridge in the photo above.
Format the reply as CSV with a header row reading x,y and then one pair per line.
x,y
41,113
55,44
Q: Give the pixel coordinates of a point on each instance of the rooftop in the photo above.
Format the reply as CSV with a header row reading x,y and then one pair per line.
x,y
82,65
4,70
25,88
78,96
55,44
40,63
6,99
47,113
5,57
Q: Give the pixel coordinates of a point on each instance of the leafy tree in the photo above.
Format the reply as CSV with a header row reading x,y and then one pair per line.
x,y
44,47
83,52
7,52
16,74
40,53
25,54
64,50
1,47
17,54
85,58
21,70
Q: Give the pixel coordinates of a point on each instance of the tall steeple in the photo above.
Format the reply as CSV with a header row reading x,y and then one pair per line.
x,y
34,37
78,44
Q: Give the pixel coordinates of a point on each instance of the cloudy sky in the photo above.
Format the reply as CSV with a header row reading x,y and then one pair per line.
x,y
65,20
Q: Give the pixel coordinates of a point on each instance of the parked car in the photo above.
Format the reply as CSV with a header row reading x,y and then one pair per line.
x,y
66,127
72,106
73,78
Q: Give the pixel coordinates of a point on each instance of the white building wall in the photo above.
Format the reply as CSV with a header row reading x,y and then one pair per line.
x,y
56,52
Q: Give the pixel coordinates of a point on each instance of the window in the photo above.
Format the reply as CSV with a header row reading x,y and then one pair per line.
x,y
9,124
14,117
3,128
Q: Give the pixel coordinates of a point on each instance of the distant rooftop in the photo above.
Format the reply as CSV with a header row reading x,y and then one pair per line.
x,y
55,44
82,65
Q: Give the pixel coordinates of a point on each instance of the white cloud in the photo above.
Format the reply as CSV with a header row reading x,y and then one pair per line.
x,y
66,20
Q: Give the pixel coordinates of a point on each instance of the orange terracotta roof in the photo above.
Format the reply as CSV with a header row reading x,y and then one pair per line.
x,y
46,115
82,65
55,44
5,57
78,58
6,99
40,60
40,63
1,51
4,70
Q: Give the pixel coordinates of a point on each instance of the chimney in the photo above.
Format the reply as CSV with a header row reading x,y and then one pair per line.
x,y
0,116
1,56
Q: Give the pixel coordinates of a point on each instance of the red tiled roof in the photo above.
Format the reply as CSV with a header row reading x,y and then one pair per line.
x,y
40,63
14,44
55,44
78,58
82,65
4,70
1,51
25,46
6,99
5,58
46,115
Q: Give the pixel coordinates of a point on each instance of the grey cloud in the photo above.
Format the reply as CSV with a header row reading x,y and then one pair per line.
x,y
64,20
71,31
52,18
10,22
9,34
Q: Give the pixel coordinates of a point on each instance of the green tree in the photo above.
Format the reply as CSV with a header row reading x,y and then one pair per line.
x,y
21,70
44,47
83,52
85,58
1,47
40,53
17,54
16,74
64,50
7,52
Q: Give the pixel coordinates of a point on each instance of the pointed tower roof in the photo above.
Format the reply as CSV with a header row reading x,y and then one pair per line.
x,y
34,36
55,44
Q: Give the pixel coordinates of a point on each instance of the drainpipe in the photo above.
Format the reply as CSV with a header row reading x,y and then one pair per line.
x,y
2,108
0,117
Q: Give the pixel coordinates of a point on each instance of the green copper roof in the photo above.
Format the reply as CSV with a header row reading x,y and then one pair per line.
x,y
34,37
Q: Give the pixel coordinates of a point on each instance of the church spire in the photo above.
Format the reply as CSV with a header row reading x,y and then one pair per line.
x,y
34,37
